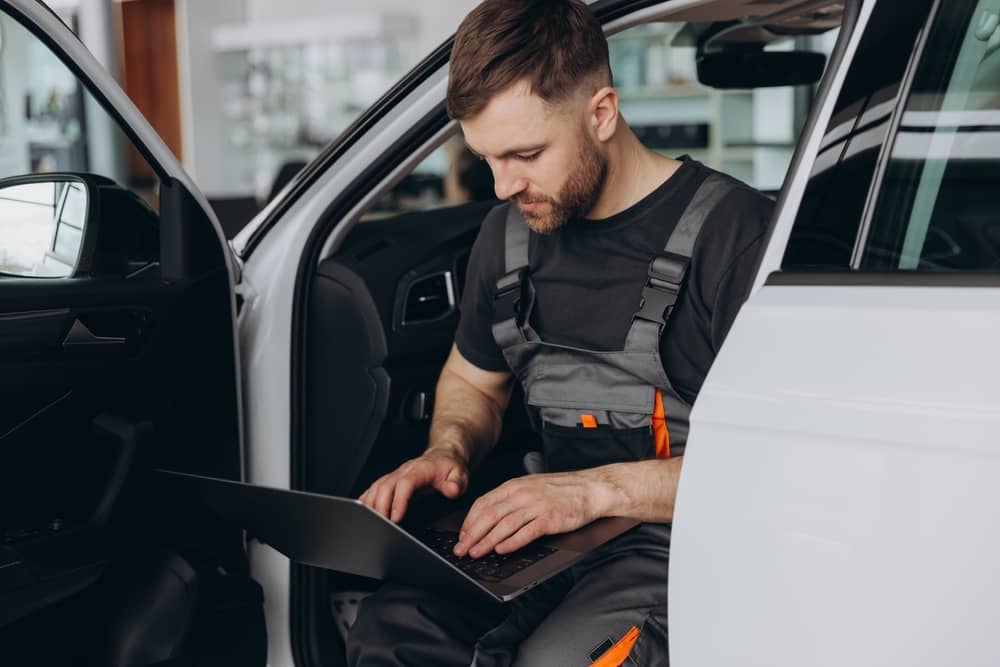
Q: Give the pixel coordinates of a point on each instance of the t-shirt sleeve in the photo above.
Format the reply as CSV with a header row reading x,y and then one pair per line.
x,y
474,336
734,289
750,213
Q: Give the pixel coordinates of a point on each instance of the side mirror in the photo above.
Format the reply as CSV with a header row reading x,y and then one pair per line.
x,y
60,225
755,68
44,220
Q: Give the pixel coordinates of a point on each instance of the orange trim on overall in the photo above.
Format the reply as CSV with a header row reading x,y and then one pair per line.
x,y
618,653
661,435
588,421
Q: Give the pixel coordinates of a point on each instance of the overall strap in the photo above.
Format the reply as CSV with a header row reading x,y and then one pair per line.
x,y
668,270
515,240
514,283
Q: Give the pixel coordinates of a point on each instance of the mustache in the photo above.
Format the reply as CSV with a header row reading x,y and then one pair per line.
x,y
519,199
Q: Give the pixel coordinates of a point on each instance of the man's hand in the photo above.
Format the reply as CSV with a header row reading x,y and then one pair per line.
x,y
437,469
524,509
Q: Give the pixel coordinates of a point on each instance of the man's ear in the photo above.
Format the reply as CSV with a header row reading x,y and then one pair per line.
x,y
603,112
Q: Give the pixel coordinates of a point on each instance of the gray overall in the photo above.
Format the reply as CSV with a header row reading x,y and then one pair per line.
x,y
590,408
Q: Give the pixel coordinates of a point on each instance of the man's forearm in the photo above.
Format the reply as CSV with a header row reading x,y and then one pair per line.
x,y
644,490
466,421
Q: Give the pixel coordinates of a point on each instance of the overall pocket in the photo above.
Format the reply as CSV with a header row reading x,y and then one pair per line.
x,y
651,649
575,447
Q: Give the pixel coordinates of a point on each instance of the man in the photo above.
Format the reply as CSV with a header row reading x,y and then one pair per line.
x,y
575,309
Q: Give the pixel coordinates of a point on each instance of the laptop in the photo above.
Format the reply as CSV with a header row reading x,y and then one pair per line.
x,y
344,535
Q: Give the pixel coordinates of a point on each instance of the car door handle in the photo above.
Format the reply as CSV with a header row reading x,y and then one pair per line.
x,y
80,336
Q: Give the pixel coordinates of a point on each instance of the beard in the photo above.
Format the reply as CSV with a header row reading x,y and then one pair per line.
x,y
577,197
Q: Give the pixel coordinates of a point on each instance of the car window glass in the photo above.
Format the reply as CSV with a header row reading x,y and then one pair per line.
x,y
749,134
936,209
50,122
449,176
829,216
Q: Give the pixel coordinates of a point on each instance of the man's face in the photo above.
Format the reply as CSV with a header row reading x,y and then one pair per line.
x,y
542,158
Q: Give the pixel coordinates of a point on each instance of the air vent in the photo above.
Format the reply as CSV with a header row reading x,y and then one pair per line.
x,y
430,298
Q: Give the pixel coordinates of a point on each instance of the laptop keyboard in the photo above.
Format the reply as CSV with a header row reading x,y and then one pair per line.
x,y
491,567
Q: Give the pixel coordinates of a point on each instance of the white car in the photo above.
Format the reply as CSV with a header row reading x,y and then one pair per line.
x,y
839,501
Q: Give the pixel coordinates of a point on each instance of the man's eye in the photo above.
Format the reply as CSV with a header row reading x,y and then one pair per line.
x,y
528,158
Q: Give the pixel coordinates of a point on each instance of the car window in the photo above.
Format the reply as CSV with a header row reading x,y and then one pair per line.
x,y
49,122
829,215
749,134
449,176
936,209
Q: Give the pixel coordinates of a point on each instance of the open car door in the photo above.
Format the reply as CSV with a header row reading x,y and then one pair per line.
x,y
838,503
118,356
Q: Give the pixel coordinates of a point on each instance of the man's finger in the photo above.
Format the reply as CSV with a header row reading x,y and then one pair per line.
x,y
383,499
482,518
528,533
511,524
453,485
404,491
368,497
482,504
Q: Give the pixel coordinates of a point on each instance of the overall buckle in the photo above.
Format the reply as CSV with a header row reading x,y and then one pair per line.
x,y
666,276
508,295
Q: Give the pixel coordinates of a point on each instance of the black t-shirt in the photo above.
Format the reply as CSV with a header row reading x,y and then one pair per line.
x,y
589,275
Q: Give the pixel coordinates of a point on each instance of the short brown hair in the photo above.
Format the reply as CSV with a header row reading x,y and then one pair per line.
x,y
555,45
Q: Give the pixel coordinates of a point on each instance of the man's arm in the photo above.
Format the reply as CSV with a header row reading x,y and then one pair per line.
x,y
468,409
468,416
522,510
643,490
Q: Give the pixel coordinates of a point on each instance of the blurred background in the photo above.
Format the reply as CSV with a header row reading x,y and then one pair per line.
x,y
245,92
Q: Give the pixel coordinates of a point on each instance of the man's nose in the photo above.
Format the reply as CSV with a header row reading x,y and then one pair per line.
x,y
505,183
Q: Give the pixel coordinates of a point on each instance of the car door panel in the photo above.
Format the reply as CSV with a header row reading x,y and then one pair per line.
x,y
837,498
65,449
857,472
125,366
65,542
32,333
